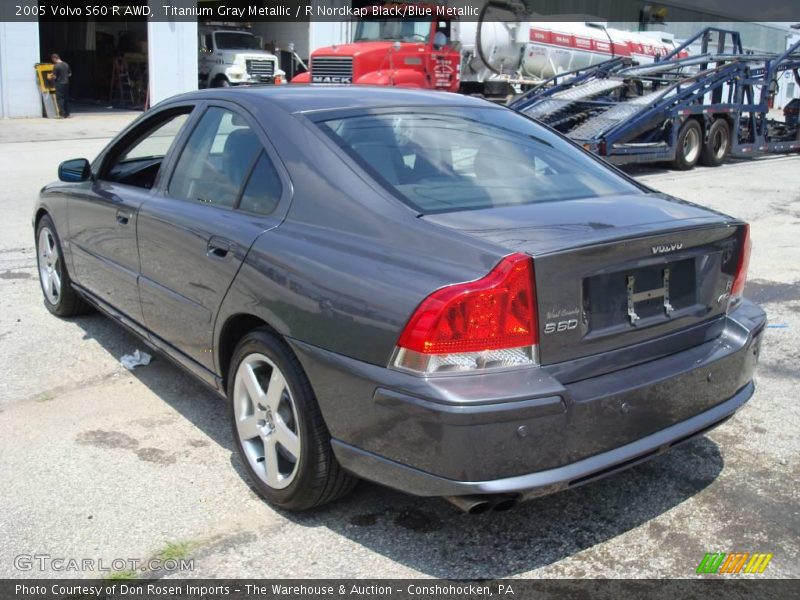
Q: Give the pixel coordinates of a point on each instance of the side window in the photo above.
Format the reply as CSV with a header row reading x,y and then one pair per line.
x,y
216,160
209,42
263,190
138,161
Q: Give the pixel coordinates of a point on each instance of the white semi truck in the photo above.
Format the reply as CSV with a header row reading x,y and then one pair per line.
x,y
231,56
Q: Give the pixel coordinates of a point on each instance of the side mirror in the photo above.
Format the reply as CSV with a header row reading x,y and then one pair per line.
x,y
77,169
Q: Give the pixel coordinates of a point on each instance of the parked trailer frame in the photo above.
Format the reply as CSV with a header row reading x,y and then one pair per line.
x,y
594,108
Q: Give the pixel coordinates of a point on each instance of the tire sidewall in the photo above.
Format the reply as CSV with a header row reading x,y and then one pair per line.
x,y
261,342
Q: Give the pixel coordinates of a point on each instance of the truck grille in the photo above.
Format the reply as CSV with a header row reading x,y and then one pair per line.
x,y
264,70
332,70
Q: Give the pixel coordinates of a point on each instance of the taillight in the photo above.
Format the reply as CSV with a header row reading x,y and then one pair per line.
x,y
737,287
488,323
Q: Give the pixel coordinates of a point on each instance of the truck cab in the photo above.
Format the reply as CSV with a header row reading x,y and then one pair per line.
x,y
234,56
393,52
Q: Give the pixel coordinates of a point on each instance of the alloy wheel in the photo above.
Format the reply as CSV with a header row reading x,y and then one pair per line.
x,y
266,421
49,266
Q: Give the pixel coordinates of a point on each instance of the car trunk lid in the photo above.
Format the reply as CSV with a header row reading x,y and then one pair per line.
x,y
616,271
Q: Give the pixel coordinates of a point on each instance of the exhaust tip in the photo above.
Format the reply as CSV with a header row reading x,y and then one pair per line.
x,y
479,508
472,505
504,504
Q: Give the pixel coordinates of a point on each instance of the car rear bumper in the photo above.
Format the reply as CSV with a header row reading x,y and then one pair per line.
x,y
531,432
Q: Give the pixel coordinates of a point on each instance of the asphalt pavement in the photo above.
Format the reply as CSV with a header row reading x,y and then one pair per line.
x,y
101,463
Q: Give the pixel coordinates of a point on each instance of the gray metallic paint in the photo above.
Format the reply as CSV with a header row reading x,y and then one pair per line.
x,y
342,264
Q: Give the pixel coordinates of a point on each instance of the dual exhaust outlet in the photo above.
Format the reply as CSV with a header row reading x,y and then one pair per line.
x,y
476,505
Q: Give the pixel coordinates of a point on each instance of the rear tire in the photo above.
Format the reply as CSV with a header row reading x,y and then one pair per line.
x,y
278,428
59,296
718,144
689,145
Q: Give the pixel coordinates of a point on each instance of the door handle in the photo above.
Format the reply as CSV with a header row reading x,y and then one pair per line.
x,y
123,217
220,248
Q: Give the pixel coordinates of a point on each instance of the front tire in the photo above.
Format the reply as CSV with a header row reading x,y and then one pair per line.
x,y
278,428
689,145
59,297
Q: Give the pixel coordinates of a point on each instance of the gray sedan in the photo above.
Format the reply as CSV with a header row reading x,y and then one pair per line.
x,y
416,288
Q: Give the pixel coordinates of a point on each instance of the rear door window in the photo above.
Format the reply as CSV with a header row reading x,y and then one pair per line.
x,y
263,190
217,159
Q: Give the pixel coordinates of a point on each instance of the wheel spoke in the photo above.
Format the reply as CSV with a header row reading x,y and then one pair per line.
x,y
277,384
56,278
271,475
47,283
287,438
248,427
252,385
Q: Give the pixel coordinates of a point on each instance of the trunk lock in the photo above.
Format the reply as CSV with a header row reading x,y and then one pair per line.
x,y
636,297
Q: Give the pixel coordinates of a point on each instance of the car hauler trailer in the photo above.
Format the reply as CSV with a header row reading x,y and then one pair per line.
x,y
702,108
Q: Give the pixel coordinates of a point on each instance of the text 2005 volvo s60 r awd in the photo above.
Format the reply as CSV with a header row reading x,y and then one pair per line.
x,y
420,289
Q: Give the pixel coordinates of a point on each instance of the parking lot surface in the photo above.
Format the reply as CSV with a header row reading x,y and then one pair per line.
x,y
102,463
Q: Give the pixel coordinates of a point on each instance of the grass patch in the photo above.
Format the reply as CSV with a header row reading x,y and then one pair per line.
x,y
175,551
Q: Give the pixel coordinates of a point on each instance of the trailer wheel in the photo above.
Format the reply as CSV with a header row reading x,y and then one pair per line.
x,y
689,145
716,148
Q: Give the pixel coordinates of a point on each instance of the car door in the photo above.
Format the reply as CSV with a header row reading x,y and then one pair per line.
x,y
102,216
221,195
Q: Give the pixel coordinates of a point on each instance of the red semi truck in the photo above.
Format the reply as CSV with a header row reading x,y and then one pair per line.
x,y
391,52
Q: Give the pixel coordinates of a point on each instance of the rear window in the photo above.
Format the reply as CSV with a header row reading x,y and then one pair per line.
x,y
470,158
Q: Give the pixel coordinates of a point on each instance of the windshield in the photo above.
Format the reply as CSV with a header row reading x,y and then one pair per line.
x,y
233,40
404,31
459,158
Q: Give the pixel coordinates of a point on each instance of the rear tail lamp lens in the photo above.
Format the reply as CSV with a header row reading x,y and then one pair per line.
x,y
740,276
488,323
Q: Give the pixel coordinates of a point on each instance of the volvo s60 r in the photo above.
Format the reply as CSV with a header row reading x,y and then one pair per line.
x,y
420,289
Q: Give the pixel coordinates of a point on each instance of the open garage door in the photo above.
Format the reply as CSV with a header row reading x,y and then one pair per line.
x,y
109,60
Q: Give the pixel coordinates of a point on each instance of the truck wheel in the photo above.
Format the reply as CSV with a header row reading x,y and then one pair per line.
x,y
716,148
278,428
221,82
689,145
59,297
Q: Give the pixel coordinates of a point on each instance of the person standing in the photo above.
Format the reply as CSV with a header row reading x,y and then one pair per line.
x,y
60,75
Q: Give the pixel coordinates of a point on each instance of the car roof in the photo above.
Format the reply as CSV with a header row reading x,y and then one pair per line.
x,y
296,98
